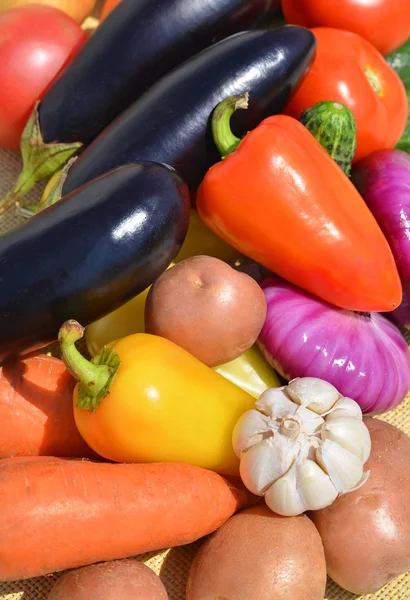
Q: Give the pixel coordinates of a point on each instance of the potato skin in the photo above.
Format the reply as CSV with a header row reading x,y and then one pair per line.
x,y
118,579
366,534
259,555
207,307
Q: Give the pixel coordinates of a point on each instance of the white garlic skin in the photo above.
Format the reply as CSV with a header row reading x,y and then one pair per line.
x,y
345,469
303,446
350,433
249,430
317,395
304,487
345,407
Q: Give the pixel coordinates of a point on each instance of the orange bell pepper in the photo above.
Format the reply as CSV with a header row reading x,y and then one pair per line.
x,y
281,200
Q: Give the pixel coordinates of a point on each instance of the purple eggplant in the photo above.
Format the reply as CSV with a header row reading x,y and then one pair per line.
x,y
139,42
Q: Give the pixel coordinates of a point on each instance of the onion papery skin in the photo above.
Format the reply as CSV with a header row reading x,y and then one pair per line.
x,y
383,180
362,354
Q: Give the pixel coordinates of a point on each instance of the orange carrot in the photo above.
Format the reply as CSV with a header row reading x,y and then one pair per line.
x,y
36,410
60,514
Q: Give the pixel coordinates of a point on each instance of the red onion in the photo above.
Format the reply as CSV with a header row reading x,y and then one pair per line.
x,y
383,179
362,354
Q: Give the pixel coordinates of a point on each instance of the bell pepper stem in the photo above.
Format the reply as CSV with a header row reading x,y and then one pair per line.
x,y
40,162
95,376
224,139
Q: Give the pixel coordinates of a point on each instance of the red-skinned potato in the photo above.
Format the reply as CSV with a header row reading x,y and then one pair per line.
x,y
208,308
116,580
366,533
259,555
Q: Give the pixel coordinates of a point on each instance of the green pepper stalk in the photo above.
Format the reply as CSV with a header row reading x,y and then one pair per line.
x,y
95,376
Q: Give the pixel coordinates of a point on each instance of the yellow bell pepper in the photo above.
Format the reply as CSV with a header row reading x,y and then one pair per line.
x,y
126,320
201,240
251,372
145,399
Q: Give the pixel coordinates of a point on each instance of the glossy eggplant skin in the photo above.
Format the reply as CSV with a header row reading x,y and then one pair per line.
x,y
138,43
171,122
89,253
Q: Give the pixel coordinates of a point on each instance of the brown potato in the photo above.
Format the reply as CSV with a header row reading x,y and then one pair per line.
x,y
208,308
258,555
119,579
366,534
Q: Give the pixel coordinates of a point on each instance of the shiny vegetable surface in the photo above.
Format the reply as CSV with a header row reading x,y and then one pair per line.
x,y
376,517
362,354
113,70
207,307
170,123
90,253
202,240
36,42
257,554
77,9
145,399
384,23
139,43
250,372
309,225
383,179
349,70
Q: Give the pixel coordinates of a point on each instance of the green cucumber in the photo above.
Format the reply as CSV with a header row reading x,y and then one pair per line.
x,y
334,127
399,60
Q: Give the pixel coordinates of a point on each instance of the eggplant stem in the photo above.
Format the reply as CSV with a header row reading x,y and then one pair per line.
x,y
224,139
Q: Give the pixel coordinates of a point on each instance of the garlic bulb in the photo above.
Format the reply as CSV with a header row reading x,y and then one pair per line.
x,y
302,446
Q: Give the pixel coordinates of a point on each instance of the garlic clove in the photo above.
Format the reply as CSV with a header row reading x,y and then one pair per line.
x,y
316,394
311,422
251,428
275,403
350,433
316,486
345,407
283,497
304,487
362,481
265,463
344,468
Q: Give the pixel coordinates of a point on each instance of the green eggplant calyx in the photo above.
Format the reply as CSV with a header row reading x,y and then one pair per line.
x,y
56,191
95,376
224,139
40,162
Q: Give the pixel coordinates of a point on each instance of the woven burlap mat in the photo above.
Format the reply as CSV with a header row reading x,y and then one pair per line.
x,y
172,565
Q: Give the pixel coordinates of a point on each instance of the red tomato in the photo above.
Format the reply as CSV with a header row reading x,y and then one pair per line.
x,y
384,23
348,69
36,41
